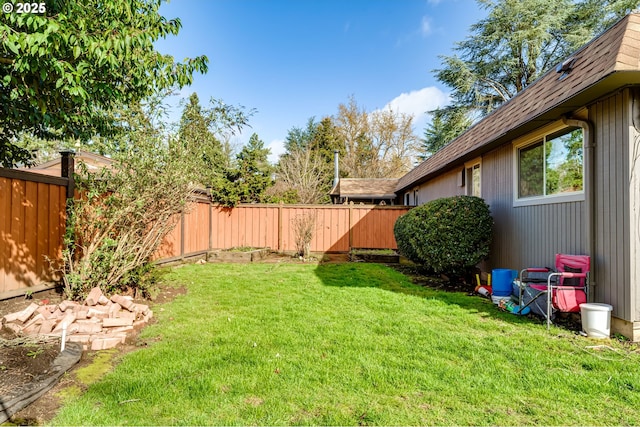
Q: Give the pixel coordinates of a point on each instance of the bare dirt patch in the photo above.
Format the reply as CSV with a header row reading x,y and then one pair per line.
x,y
25,358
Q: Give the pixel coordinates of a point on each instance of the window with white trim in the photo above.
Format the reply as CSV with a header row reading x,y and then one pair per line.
x,y
473,181
550,166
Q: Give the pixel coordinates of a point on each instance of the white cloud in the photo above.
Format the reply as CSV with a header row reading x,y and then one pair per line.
x,y
277,149
417,103
425,27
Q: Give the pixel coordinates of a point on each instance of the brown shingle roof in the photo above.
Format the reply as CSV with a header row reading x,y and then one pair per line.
x,y
607,63
376,188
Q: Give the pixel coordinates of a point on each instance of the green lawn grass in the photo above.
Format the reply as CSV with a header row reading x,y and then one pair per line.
x,y
353,344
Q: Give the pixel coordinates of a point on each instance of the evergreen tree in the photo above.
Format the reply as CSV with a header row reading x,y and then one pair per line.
x,y
254,173
446,124
508,50
196,130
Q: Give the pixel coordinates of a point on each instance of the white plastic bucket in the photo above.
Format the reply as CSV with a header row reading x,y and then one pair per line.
x,y
596,319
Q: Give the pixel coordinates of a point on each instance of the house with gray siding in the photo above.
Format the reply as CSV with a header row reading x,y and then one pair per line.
x,y
559,165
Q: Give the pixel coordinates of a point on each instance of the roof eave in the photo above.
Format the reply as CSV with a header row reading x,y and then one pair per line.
x,y
370,196
611,83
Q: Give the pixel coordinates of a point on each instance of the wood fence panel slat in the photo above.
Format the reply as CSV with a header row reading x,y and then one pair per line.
x,y
42,230
203,226
273,226
56,223
31,235
61,229
5,229
15,245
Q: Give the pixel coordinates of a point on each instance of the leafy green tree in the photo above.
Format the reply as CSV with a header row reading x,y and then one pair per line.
x,y
64,72
510,48
200,133
114,230
595,16
507,51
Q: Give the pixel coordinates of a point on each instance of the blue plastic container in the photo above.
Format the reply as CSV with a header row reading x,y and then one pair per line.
x,y
501,279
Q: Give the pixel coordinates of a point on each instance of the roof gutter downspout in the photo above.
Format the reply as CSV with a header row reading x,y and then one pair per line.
x,y
589,146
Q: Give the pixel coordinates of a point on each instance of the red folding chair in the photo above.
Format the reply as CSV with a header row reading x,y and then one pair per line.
x,y
565,288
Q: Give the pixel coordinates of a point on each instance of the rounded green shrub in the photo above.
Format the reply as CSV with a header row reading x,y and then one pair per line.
x,y
449,235
404,230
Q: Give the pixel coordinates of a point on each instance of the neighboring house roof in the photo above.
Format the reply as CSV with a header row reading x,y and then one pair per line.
x,y
366,188
607,63
94,163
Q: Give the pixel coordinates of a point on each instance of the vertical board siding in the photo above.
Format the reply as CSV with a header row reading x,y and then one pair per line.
x,y
632,206
612,259
526,236
32,224
532,235
446,185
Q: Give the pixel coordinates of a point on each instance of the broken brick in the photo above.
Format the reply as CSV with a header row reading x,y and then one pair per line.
x,y
89,327
98,312
94,296
68,319
104,343
126,315
35,320
126,303
82,338
44,311
114,309
25,314
46,326
16,329
65,305
111,322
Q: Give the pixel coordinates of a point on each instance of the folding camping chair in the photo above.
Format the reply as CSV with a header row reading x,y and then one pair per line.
x,y
564,289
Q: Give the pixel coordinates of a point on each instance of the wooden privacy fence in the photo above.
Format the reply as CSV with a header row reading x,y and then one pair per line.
x,y
32,226
338,228
33,216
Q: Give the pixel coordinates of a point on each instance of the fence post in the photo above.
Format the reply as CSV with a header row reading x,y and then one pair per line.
x,y
67,167
182,233
280,227
350,227
210,225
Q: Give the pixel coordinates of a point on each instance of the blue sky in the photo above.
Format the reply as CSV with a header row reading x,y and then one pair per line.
x,y
296,59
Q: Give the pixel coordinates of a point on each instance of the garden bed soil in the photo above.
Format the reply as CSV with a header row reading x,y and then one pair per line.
x,y
21,367
374,257
231,255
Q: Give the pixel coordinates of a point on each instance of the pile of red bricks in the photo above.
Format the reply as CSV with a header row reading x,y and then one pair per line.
x,y
100,323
